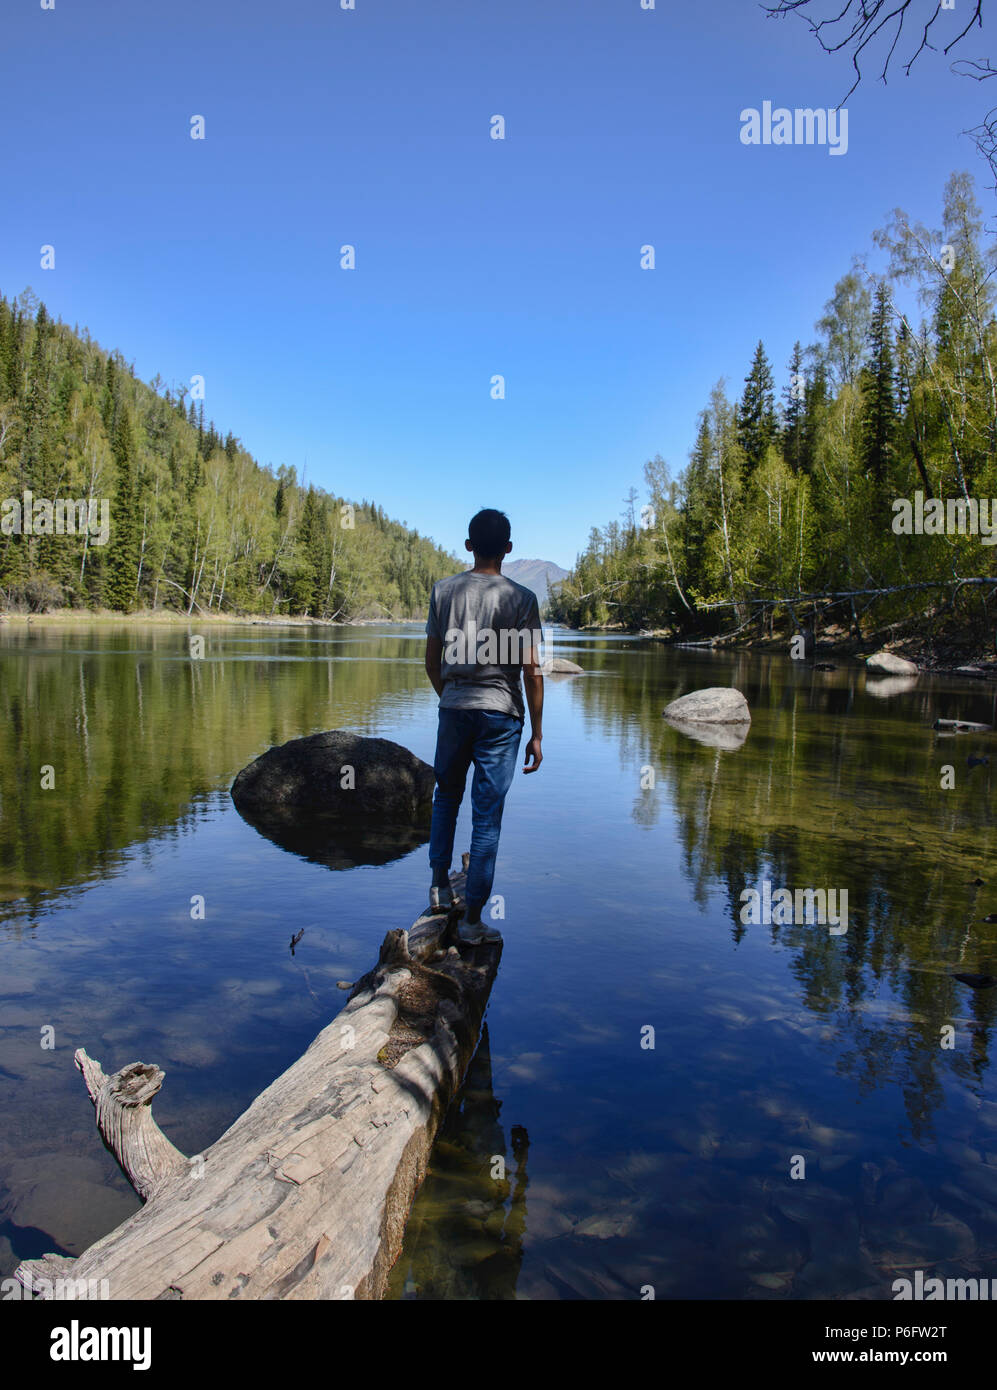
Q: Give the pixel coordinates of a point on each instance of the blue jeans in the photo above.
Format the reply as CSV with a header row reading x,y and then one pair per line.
x,y
490,740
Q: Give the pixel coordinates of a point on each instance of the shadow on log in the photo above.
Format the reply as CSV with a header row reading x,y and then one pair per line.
x,y
306,1195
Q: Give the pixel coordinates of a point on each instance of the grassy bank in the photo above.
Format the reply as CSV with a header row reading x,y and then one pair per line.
x,y
85,617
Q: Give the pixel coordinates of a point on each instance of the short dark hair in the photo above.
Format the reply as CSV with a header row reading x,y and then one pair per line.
x,y
489,533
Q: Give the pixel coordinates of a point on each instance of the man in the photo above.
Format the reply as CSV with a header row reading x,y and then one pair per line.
x,y
483,629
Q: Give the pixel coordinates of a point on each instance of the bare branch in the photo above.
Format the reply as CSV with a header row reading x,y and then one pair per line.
x,y
861,22
841,595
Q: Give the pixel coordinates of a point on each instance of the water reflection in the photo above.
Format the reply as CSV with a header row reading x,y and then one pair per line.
x,y
728,737
465,1237
336,846
135,731
869,1054
889,686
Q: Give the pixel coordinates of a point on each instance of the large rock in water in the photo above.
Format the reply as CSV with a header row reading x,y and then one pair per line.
x,y
718,704
561,666
295,795
890,663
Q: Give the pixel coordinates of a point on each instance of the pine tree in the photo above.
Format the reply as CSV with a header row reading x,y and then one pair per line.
x,y
109,398
793,411
35,454
122,549
757,424
307,591
8,384
815,398
879,391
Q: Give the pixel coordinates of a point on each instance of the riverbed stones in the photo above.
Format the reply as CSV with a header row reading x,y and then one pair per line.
x,y
896,1245
891,664
717,704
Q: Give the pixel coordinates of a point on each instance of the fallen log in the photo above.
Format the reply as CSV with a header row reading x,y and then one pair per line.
x,y
962,726
306,1195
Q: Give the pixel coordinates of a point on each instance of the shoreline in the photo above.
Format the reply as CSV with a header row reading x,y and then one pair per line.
x,y
169,618
957,657
954,656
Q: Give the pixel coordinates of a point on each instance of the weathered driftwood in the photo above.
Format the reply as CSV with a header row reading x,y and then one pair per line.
x,y
307,1194
963,726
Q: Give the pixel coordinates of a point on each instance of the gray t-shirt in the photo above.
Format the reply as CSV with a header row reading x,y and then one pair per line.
x,y
487,625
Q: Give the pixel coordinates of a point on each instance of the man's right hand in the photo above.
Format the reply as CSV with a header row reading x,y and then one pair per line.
x,y
533,751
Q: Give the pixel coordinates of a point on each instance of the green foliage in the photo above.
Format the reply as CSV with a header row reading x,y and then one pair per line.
x,y
776,505
757,425
195,523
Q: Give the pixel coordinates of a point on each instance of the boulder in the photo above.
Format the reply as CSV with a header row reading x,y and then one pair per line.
x,y
891,664
718,704
558,666
389,786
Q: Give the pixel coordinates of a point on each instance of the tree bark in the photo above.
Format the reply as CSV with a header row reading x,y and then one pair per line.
x,y
306,1195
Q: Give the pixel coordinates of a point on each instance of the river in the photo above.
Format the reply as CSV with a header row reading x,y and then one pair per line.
x,y
666,1098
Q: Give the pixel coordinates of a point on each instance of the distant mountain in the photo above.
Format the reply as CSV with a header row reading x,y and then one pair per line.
x,y
539,575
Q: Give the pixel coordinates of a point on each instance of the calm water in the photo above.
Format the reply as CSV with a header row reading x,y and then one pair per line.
x,y
626,1165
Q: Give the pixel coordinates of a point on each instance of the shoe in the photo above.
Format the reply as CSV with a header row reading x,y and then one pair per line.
x,y
478,934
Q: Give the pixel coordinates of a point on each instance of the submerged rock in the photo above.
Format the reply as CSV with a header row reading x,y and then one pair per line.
x,y
718,704
897,1245
892,664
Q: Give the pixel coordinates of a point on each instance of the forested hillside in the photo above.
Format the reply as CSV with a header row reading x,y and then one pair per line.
x,y
195,523
788,498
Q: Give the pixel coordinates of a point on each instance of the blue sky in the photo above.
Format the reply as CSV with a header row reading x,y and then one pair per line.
x,y
475,257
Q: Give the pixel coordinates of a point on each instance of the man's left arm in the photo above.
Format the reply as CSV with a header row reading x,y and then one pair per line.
x,y
533,684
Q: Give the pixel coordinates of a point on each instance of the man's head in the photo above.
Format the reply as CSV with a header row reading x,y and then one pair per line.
x,y
488,535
